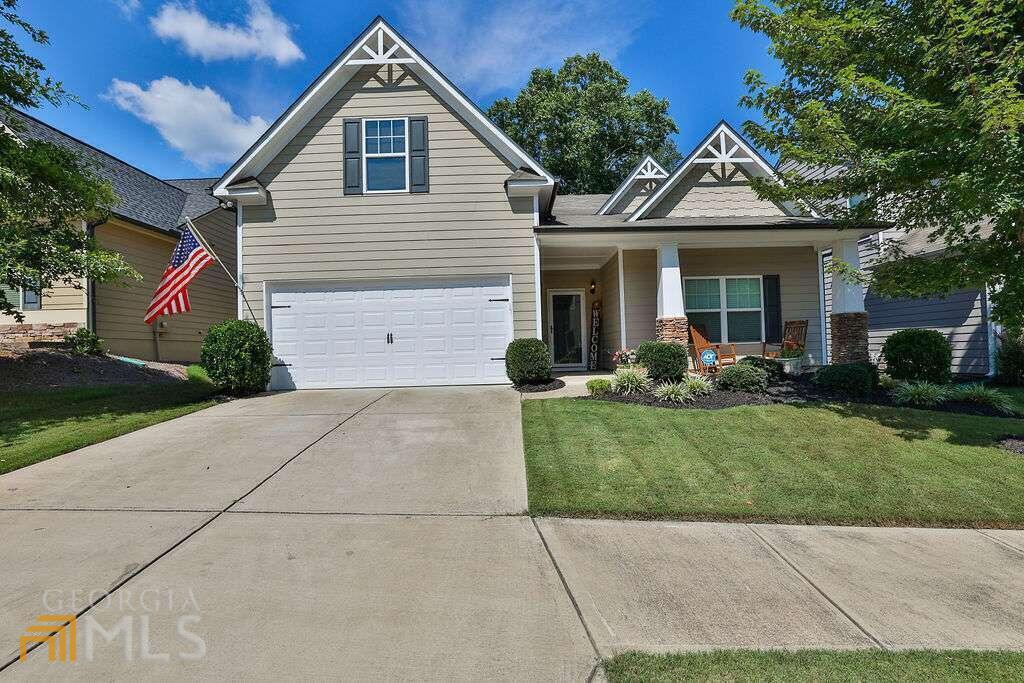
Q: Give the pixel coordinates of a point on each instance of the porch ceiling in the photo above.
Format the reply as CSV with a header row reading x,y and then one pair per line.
x,y
575,257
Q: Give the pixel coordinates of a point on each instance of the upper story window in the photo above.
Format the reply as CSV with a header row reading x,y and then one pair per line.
x,y
386,155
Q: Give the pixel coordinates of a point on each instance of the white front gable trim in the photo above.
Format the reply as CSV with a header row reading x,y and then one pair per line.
x,y
721,146
378,44
647,169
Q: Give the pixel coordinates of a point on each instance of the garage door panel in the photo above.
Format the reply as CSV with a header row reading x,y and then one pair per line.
x,y
337,336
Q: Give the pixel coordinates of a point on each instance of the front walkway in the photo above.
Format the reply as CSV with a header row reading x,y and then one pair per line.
x,y
380,534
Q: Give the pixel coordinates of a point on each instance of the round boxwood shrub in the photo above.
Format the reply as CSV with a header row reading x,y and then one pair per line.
x,y
769,365
918,356
84,342
599,386
665,361
237,356
855,380
742,377
527,361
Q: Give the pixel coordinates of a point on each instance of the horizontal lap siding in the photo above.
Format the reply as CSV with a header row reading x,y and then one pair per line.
x,y
60,304
611,333
464,226
960,317
639,270
120,309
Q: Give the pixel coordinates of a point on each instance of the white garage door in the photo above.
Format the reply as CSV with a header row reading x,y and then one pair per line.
x,y
395,334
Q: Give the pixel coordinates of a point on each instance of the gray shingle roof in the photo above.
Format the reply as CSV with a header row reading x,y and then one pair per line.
x,y
142,198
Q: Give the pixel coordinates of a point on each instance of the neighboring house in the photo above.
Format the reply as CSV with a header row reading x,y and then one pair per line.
x,y
144,228
962,316
390,234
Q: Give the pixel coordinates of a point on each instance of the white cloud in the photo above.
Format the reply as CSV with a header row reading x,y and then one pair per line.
x,y
196,121
487,48
264,35
128,7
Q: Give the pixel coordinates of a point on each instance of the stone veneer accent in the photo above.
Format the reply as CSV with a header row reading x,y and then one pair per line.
x,y
672,330
849,337
21,335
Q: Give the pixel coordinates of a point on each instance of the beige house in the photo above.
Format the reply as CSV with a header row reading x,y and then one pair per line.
x,y
144,228
390,234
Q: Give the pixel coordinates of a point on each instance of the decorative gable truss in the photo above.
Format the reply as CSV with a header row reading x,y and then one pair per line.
x,y
726,154
643,179
378,45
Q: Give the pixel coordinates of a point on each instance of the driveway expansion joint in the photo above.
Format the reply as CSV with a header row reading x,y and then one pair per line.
x,y
572,598
792,565
999,541
217,514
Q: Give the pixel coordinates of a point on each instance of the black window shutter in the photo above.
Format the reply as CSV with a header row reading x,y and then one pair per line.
x,y
772,309
353,144
419,176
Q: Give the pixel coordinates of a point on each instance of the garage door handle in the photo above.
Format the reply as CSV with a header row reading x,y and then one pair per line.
x,y
497,299
280,306
281,365
502,358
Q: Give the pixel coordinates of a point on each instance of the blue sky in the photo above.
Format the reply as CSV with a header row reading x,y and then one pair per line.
x,y
181,88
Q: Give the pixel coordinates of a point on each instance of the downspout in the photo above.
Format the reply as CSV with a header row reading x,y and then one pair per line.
x,y
992,331
90,288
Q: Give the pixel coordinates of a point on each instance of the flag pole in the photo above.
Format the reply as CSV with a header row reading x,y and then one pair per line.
x,y
209,249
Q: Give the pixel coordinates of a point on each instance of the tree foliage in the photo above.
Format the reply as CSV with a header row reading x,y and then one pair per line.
x,y
583,125
919,106
46,192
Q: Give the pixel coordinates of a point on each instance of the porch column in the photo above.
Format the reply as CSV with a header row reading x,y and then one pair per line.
x,y
671,324
849,319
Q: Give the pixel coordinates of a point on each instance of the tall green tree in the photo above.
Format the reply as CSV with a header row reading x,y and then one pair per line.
x,y
584,126
46,192
920,103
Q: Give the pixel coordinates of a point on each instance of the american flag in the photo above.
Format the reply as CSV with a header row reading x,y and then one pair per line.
x,y
187,261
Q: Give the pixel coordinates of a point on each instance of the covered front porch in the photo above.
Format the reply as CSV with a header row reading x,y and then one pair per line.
x,y
738,286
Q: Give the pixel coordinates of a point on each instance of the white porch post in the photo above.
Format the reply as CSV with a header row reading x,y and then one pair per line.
x,y
849,319
671,324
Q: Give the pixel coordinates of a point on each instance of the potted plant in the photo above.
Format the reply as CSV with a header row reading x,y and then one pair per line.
x,y
624,358
792,360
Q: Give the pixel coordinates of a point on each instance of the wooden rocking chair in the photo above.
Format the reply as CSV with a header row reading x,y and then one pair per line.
x,y
725,353
794,336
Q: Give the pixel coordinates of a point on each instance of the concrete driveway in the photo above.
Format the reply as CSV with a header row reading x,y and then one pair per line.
x,y
365,534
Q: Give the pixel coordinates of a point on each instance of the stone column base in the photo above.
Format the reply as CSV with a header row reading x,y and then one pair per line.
x,y
672,330
849,337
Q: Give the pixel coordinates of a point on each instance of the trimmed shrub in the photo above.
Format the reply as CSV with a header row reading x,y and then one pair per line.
x,y
698,386
84,342
599,386
1010,359
527,361
628,381
918,355
982,395
665,361
855,380
769,365
920,394
237,356
742,378
886,382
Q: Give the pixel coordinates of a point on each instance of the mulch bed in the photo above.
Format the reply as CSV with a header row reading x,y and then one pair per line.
x,y
794,391
537,388
1013,443
49,369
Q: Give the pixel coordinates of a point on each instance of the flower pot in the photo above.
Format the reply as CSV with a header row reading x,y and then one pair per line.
x,y
792,366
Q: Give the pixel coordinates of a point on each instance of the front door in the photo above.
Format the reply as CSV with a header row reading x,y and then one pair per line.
x,y
566,326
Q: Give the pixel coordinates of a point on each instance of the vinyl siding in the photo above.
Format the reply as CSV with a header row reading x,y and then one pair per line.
x,y
120,308
465,225
959,316
798,278
62,304
611,334
703,191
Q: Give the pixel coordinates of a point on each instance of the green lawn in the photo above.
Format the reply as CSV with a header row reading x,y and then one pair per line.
x,y
36,425
817,665
842,464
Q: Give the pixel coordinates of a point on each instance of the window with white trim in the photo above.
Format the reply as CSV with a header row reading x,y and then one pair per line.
x,y
726,309
23,299
386,155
